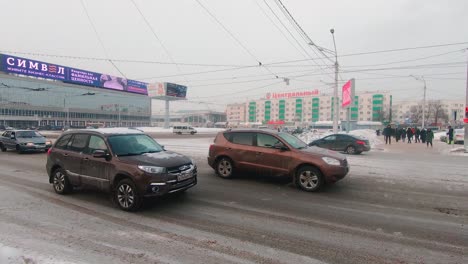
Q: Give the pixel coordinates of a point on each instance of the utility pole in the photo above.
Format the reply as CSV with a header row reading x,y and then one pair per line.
x,y
466,108
335,91
424,105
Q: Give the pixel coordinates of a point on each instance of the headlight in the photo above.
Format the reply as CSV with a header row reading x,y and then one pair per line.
x,y
29,144
331,161
48,142
152,169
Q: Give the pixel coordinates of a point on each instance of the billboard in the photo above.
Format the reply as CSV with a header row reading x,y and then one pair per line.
x,y
292,94
18,65
348,93
176,90
156,89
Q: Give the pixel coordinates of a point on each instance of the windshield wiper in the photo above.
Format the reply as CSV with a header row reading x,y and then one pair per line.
x,y
129,154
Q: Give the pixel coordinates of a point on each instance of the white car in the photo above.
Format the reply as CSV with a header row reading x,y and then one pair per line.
x,y
459,136
184,130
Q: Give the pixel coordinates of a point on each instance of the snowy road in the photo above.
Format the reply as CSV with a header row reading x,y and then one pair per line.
x,y
406,204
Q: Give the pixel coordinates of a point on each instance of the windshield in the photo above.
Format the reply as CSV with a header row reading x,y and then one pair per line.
x,y
128,145
293,141
27,134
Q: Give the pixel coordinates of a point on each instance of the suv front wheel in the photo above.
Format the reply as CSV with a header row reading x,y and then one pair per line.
x,y
126,195
224,168
309,179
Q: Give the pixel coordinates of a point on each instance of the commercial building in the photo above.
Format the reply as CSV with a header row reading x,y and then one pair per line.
x,y
447,112
193,118
34,94
309,107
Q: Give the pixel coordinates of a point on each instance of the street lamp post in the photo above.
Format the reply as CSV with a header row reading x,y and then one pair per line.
x,y
424,99
335,91
67,109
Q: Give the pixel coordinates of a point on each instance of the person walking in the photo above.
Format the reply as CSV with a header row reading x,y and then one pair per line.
x,y
416,135
429,137
397,134
423,135
409,134
403,134
387,132
450,135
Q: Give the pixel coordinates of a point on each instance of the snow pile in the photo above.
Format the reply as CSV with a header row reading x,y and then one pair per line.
x,y
439,134
310,136
368,134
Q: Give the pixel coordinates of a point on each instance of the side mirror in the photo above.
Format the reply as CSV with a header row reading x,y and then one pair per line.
x,y
280,146
163,147
100,154
12,136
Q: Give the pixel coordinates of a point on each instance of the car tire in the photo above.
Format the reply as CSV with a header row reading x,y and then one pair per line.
x,y
192,133
2,147
18,149
126,196
179,133
225,168
60,182
309,179
351,150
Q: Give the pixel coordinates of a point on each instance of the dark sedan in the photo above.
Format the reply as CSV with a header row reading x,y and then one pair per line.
x,y
343,142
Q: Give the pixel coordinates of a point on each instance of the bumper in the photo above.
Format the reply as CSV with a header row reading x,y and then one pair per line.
x,y
34,147
211,162
160,189
336,173
364,148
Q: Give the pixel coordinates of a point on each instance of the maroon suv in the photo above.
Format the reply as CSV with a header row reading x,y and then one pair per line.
x,y
268,152
125,162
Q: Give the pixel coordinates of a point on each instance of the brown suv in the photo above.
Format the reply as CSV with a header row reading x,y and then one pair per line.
x,y
125,162
268,152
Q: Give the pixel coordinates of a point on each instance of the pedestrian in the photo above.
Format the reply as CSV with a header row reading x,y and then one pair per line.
x,y
416,135
450,135
429,137
403,134
387,132
397,134
423,135
409,134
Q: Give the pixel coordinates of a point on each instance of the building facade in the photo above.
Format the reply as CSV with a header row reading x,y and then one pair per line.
x,y
294,108
447,112
193,118
27,102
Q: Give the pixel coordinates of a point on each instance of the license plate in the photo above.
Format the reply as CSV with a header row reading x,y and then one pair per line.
x,y
184,176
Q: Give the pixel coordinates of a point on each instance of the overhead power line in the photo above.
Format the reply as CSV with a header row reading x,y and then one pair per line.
x,y
234,37
100,40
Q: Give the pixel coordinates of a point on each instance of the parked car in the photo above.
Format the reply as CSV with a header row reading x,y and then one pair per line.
x,y
459,136
23,141
343,142
125,162
184,130
272,153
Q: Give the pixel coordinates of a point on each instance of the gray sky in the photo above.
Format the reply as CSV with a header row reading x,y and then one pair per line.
x,y
191,36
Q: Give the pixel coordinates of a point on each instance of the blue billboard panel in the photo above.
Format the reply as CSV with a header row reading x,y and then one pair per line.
x,y
176,90
17,65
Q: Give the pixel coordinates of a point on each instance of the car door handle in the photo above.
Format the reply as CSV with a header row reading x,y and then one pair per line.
x,y
65,154
86,159
228,148
259,153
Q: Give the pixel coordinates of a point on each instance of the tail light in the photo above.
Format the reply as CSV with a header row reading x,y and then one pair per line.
x,y
211,150
360,142
49,151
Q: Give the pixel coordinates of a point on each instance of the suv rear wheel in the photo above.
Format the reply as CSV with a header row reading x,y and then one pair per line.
x,y
126,195
60,182
309,179
2,147
225,168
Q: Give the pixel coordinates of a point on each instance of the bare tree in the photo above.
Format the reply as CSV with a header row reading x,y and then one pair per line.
x,y
415,114
436,111
381,115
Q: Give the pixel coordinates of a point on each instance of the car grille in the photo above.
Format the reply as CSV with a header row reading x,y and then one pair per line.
x,y
39,144
176,170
